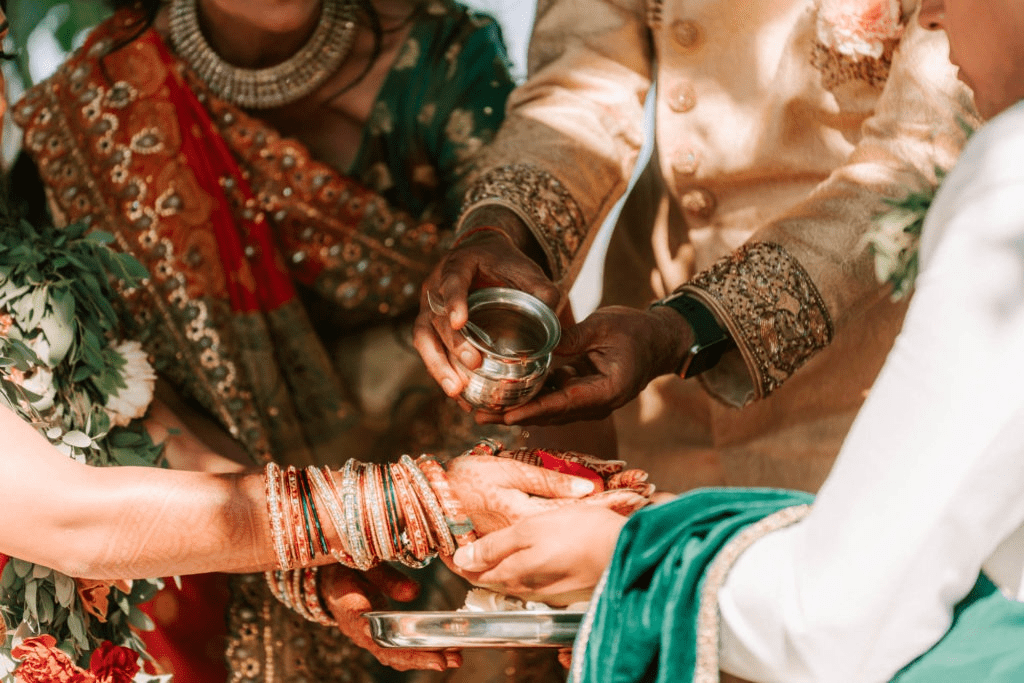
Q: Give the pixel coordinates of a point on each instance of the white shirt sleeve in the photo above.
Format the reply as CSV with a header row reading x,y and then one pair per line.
x,y
930,481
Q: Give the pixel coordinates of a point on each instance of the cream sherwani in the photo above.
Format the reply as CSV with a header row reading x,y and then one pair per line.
x,y
773,153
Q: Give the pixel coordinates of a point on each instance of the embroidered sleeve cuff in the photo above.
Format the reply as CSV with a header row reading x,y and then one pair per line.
x,y
542,202
773,311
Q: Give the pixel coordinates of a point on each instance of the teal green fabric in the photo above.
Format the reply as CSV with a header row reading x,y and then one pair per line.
x,y
985,643
645,619
442,101
644,625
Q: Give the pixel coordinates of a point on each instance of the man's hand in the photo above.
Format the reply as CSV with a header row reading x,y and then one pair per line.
x,y
349,594
496,252
614,354
556,557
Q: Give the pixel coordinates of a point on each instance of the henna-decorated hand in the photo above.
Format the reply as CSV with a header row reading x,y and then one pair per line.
x,y
496,492
349,594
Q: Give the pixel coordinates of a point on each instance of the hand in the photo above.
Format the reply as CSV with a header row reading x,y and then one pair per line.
x,y
349,594
496,492
616,352
497,254
556,557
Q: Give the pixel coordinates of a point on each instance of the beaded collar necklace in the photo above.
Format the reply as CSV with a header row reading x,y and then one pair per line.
x,y
277,85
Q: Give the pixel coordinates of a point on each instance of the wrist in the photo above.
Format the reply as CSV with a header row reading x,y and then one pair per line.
x,y
673,339
507,221
709,339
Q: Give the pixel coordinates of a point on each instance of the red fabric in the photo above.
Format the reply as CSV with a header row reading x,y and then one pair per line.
x,y
191,629
556,464
267,284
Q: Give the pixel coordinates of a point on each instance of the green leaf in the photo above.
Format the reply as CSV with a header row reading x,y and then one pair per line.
x,y
64,588
77,439
31,587
21,567
140,620
40,572
76,624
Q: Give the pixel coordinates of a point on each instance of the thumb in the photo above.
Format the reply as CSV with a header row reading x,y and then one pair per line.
x,y
538,481
487,552
575,340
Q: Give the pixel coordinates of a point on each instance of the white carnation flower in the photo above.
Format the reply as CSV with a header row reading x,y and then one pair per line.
x,y
40,382
133,400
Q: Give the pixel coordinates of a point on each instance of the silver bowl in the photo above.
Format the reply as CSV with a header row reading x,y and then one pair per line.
x,y
523,332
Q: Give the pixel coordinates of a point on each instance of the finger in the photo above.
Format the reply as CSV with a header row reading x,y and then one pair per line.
x,y
457,273
486,552
347,596
435,355
393,583
575,340
622,501
538,481
584,398
565,657
453,658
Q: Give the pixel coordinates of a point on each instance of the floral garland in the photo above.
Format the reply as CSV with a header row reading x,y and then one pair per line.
x,y
896,234
859,28
62,370
894,240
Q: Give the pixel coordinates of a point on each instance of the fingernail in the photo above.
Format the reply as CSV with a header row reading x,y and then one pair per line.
x,y
449,386
582,487
465,556
453,661
466,357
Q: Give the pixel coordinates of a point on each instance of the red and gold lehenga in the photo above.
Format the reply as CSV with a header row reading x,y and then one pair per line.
x,y
280,288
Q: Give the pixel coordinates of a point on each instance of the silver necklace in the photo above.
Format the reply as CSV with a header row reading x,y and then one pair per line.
x,y
281,84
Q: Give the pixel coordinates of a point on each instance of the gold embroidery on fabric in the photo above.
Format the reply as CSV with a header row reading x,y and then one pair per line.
x,y
186,346
837,69
271,644
708,617
773,309
553,214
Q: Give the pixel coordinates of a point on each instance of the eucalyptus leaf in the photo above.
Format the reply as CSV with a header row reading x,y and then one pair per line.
x,y
31,588
76,624
140,620
21,567
77,439
64,588
40,572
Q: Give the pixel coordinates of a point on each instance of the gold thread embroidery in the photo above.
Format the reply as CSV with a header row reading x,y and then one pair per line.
x,y
553,215
837,69
708,616
772,308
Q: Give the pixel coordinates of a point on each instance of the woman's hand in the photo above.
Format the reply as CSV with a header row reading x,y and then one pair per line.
x,y
496,492
615,353
496,251
349,594
556,557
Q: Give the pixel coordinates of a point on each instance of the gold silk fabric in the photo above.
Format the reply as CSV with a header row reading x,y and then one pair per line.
x,y
773,152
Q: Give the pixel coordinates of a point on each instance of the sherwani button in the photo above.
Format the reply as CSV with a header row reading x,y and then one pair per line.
x,y
686,163
687,34
683,98
699,202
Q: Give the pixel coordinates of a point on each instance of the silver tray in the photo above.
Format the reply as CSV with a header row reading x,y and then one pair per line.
x,y
434,630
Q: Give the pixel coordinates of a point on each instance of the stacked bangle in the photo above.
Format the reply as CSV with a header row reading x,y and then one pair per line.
x,y
404,512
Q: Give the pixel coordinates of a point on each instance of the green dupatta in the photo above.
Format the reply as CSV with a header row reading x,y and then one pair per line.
x,y
654,617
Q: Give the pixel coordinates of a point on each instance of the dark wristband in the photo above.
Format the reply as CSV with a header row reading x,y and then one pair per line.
x,y
711,341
